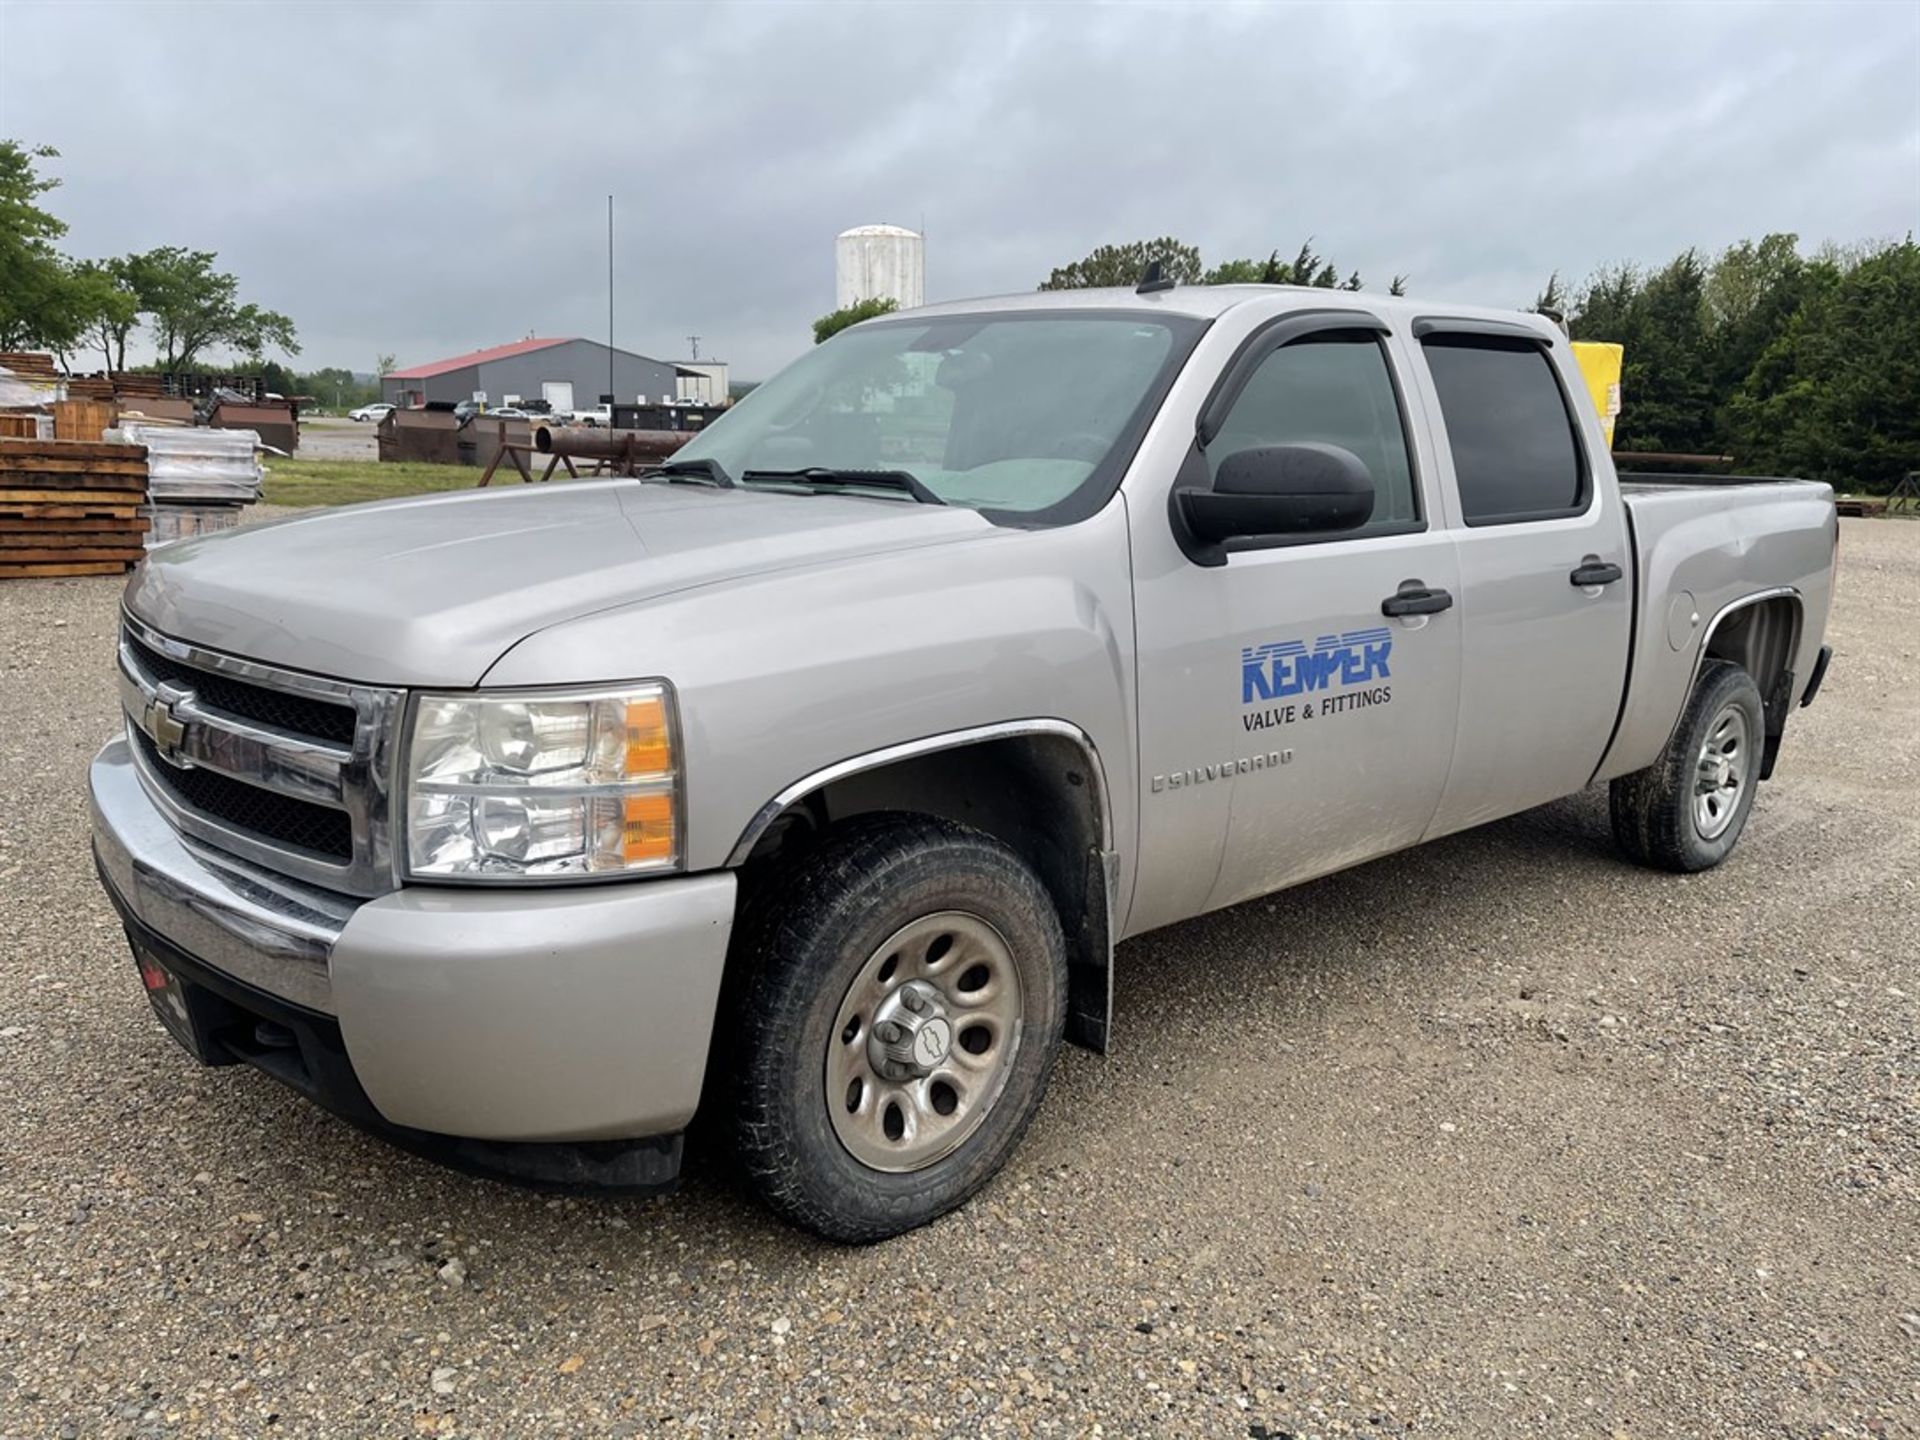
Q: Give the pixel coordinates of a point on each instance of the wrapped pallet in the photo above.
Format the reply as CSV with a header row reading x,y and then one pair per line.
x,y
29,388
198,479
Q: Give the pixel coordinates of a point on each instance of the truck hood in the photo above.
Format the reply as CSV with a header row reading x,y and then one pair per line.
x,y
432,591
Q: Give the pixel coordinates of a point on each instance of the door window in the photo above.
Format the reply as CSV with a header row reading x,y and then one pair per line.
x,y
1515,455
1333,388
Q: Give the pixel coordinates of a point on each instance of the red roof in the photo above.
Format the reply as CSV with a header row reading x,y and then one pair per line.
x,y
477,357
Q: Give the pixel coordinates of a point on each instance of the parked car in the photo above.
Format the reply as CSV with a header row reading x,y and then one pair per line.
x,y
375,412
465,410
598,415
509,412
832,758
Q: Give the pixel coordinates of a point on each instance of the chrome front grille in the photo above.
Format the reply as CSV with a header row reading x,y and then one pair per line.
x,y
300,715
287,770
299,825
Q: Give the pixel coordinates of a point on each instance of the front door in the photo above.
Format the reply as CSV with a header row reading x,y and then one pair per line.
x,y
1288,727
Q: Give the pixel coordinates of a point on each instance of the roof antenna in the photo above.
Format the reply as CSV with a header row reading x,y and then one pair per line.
x,y
1155,279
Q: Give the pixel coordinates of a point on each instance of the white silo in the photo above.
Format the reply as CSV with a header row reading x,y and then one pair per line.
x,y
879,262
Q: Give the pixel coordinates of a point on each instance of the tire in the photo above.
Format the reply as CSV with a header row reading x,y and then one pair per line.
x,y
811,1015
1662,818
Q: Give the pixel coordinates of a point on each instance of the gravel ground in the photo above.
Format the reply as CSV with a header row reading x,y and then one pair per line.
x,y
327,438
1499,1137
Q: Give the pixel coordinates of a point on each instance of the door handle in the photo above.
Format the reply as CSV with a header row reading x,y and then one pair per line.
x,y
1592,570
1415,598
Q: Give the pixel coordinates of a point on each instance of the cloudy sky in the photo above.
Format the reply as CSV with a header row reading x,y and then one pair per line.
x,y
424,180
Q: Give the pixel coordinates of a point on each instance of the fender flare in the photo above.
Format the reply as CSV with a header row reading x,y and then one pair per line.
x,y
1776,697
928,745
1090,937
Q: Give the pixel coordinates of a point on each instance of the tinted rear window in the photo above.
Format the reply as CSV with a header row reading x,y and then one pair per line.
x,y
1514,452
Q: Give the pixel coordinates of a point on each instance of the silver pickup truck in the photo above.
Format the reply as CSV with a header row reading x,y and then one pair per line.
x,y
817,774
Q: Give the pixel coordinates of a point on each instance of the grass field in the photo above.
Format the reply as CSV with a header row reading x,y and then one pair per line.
x,y
346,482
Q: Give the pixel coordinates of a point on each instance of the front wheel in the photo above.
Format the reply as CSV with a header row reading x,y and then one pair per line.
x,y
906,992
1685,811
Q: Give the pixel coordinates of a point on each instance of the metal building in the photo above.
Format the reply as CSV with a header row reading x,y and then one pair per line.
x,y
704,382
879,262
569,374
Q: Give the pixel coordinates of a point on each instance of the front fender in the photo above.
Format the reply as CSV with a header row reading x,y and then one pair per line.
x,y
783,675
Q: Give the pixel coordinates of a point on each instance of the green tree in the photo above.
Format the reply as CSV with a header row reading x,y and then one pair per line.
x,y
1836,395
1752,294
335,386
1608,308
1666,379
1676,360
1399,285
114,307
1307,268
42,301
828,326
1552,300
1238,272
1125,264
194,307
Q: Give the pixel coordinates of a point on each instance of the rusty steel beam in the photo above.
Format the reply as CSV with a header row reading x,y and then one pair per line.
x,y
622,447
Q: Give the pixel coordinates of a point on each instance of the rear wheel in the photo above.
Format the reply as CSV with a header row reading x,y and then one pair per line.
x,y
1685,812
904,1001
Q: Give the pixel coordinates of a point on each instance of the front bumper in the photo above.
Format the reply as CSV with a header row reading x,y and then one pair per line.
x,y
565,1016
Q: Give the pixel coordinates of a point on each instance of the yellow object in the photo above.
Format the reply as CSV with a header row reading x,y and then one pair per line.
x,y
649,831
649,751
1600,362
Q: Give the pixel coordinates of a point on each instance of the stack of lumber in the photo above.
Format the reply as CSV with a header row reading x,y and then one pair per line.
x,y
137,383
70,508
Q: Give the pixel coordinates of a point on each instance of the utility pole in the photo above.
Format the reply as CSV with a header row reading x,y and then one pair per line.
x,y
610,390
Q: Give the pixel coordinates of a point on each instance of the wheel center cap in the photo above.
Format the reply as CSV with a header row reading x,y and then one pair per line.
x,y
912,1034
931,1044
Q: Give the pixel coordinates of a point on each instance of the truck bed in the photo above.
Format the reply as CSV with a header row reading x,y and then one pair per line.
x,y
1702,546
1632,481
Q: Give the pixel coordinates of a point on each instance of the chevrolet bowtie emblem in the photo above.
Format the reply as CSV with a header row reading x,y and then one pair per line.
x,y
169,731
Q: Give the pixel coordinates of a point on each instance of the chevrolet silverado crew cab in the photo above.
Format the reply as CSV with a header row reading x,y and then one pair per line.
x,y
812,778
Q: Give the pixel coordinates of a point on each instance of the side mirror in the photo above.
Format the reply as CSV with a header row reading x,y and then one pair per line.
x,y
1279,490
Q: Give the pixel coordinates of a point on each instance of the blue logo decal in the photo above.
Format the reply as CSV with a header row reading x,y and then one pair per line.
x,y
1288,667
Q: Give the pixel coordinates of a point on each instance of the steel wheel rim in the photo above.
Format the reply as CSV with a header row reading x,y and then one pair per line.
x,y
1720,772
902,1104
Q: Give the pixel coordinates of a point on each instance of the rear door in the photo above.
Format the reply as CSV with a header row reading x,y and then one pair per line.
x,y
1546,593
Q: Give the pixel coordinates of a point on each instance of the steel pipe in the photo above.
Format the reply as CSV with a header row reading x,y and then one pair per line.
x,y
631,447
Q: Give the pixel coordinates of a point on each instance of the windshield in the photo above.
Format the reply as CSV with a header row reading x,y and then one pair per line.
x,y
1029,417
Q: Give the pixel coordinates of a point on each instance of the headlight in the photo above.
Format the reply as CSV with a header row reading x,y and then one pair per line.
x,y
523,786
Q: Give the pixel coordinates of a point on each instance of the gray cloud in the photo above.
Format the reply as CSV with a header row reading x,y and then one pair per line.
x,y
426,180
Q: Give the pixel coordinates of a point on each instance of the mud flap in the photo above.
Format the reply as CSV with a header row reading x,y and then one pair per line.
x,y
1090,957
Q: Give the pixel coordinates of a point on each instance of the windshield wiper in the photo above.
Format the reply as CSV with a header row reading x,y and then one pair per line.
x,y
704,471
834,479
